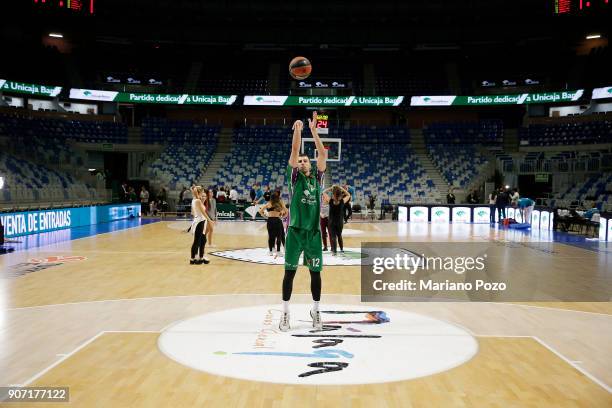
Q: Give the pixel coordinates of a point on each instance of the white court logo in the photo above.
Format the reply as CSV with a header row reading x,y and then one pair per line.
x,y
351,257
358,345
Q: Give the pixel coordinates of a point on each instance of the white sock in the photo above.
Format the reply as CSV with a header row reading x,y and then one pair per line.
x,y
315,306
285,306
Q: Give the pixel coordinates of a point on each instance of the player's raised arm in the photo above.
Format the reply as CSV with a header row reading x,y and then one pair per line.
x,y
296,143
321,152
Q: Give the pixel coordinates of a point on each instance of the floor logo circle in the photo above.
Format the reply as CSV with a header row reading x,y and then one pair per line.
x,y
350,257
358,345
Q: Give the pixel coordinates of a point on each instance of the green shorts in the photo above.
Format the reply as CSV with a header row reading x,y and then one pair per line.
x,y
307,241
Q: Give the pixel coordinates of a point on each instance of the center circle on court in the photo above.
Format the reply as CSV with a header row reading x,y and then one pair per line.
x,y
358,345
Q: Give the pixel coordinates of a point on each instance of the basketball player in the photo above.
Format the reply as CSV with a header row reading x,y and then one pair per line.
x,y
303,234
198,226
276,232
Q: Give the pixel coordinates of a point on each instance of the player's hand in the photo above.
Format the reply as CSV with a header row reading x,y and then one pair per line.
x,y
312,123
298,125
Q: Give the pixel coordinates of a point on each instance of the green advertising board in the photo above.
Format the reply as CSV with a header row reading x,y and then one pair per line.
x,y
226,211
486,100
285,100
30,89
168,99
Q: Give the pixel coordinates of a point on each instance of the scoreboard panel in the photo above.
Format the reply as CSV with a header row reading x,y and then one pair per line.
x,y
322,123
84,7
561,7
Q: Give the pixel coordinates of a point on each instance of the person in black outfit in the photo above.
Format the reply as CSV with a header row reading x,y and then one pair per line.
x,y
267,194
276,231
336,216
450,197
501,202
472,198
252,194
182,196
349,205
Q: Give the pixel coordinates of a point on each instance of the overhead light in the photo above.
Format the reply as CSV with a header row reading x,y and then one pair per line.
x,y
593,36
92,170
56,35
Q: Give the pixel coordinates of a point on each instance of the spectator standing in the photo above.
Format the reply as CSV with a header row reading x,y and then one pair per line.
x,y
267,194
450,197
472,198
492,201
515,198
233,195
211,209
500,203
144,201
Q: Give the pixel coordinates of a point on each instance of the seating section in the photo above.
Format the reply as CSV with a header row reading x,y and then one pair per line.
x,y
392,172
47,140
28,182
487,133
554,162
178,132
452,148
189,148
374,160
597,189
62,130
379,161
459,164
259,155
596,132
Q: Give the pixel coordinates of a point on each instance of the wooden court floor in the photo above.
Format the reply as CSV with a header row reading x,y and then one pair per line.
x,y
92,322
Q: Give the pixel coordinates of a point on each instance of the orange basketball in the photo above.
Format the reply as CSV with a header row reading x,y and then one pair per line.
x,y
300,68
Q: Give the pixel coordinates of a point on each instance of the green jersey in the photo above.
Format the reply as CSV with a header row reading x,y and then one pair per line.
x,y
305,196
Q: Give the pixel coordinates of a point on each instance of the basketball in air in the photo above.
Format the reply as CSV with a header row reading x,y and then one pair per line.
x,y
300,68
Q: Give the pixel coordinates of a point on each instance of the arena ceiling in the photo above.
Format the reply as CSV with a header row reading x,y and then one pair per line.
x,y
425,24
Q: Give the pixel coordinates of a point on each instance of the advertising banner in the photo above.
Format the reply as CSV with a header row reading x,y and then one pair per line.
x,y
419,214
481,215
169,99
440,215
461,215
484,100
283,100
226,211
34,222
30,89
602,93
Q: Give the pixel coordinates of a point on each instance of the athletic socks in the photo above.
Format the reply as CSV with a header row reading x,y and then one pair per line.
x,y
315,306
285,306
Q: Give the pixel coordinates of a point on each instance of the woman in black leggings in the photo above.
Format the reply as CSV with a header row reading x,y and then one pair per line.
x,y
276,232
336,216
198,226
